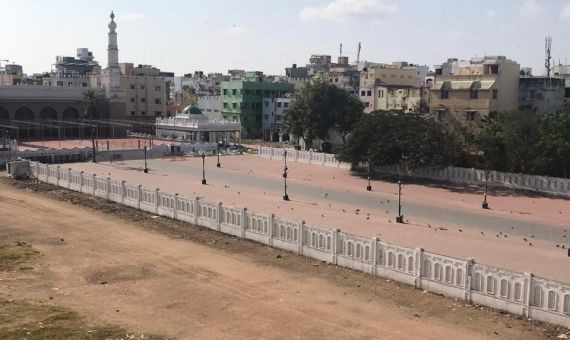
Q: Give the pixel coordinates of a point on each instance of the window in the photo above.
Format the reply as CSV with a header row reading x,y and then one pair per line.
x,y
83,84
552,300
234,92
158,88
266,103
143,113
367,104
444,94
246,91
132,86
286,104
60,83
517,294
158,101
470,115
279,104
142,87
143,100
278,117
234,105
369,93
132,113
362,93
473,94
225,92
246,105
132,100
495,93
225,105
158,113
266,117
330,80
381,93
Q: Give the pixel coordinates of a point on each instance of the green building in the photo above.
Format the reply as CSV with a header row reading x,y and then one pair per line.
x,y
242,99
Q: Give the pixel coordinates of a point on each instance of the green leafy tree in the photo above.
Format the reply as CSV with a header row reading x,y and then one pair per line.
x,y
96,104
411,140
490,140
320,107
554,145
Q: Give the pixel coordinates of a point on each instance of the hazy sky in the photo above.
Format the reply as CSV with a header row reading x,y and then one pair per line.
x,y
268,35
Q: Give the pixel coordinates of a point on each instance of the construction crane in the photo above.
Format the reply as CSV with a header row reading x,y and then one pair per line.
x,y
547,55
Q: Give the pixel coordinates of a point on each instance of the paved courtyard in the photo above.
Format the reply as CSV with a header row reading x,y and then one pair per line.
x,y
519,233
102,144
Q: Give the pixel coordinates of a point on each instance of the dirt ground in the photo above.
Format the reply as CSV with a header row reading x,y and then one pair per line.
x,y
150,274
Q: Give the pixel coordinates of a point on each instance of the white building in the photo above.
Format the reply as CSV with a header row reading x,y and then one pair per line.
x,y
193,125
273,115
211,106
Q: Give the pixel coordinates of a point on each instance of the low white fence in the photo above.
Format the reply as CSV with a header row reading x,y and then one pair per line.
x,y
307,157
544,184
518,293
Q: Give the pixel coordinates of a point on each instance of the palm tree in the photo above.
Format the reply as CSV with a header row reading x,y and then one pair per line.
x,y
95,103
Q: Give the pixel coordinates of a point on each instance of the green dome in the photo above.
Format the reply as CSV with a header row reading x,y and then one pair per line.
x,y
192,110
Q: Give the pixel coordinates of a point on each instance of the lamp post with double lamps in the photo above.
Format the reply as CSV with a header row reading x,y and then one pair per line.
x,y
400,217
145,170
369,187
204,168
485,205
285,171
219,165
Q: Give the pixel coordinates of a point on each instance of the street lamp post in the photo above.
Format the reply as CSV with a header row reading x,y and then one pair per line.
x,y
218,165
204,169
93,143
400,217
285,171
369,187
485,205
145,167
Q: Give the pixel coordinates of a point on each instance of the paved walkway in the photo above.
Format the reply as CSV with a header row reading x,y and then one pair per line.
x,y
439,220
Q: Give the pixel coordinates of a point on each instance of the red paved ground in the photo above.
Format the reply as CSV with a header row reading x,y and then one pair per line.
x,y
114,144
230,185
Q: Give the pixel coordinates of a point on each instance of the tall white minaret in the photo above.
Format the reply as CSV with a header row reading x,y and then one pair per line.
x,y
113,88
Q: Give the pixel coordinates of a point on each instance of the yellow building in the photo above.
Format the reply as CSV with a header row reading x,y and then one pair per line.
x,y
469,91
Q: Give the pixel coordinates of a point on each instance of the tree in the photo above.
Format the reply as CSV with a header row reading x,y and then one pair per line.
x,y
509,141
411,140
319,108
96,104
554,145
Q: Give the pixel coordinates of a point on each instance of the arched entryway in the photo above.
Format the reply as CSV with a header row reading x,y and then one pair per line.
x,y
4,115
25,114
49,128
71,115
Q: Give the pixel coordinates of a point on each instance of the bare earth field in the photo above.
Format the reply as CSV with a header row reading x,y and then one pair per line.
x,y
521,231
121,266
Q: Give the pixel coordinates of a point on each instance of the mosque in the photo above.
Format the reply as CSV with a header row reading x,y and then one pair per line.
x,y
192,125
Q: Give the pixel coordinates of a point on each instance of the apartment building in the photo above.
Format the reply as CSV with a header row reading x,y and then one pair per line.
x,y
273,113
242,99
467,91
563,72
392,87
543,94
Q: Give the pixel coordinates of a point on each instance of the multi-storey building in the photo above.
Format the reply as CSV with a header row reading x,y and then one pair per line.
x,y
543,94
242,99
563,72
392,87
11,74
273,113
473,89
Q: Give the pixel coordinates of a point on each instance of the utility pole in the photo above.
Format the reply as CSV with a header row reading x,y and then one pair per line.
x,y
547,55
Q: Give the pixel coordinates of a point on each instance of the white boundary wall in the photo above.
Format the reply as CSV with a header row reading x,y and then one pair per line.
x,y
518,293
307,157
544,184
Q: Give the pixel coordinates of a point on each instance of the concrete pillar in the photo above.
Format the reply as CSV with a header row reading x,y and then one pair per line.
x,y
219,216
139,194
57,168
335,245
123,191
374,255
418,258
467,279
301,232
175,206
270,230
108,188
69,178
526,291
81,181
156,200
94,178
243,221
197,210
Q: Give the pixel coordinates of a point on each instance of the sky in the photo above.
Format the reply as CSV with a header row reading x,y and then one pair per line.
x,y
268,35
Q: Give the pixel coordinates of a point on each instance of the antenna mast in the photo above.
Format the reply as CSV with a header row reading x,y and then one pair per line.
x,y
547,57
358,53
340,49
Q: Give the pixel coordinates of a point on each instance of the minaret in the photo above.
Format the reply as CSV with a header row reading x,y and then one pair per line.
x,y
113,88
